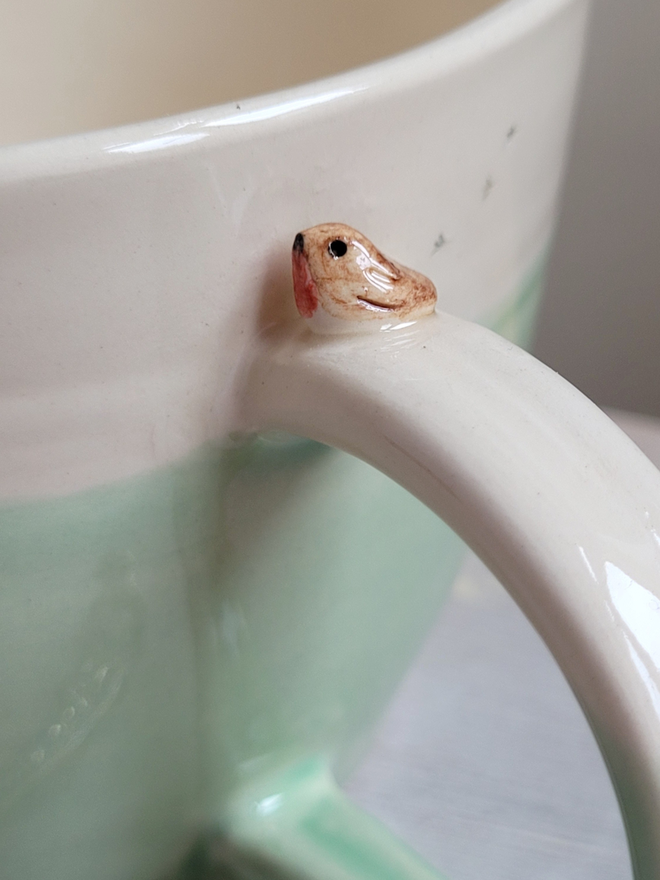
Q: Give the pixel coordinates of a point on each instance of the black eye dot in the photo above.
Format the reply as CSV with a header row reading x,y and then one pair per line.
x,y
337,248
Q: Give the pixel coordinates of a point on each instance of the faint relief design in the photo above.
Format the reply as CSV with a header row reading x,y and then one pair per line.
x,y
109,639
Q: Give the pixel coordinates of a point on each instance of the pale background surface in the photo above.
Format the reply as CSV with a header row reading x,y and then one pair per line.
x,y
600,322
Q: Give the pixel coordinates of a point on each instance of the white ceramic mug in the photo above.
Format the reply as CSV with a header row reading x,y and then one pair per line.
x,y
199,628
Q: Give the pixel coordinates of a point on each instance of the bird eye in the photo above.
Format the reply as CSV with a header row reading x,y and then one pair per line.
x,y
337,248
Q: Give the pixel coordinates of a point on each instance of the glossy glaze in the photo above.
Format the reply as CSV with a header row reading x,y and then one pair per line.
x,y
141,264
563,508
140,269
171,638
78,67
176,587
343,283
298,823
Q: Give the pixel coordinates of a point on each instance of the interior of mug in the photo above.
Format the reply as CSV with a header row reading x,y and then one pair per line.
x,y
78,65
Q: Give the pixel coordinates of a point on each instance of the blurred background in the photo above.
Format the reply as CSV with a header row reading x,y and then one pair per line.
x,y
600,321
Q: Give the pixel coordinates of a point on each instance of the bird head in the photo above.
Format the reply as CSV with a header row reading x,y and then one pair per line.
x,y
343,282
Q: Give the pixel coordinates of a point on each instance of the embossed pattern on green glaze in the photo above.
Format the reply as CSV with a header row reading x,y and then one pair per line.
x,y
98,775
166,639
169,641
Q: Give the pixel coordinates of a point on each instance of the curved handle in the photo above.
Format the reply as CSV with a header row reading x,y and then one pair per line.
x,y
557,501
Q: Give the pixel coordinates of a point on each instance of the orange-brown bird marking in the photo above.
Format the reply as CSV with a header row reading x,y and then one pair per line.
x,y
339,276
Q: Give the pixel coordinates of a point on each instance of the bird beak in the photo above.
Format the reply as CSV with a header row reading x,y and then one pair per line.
x,y
299,243
304,286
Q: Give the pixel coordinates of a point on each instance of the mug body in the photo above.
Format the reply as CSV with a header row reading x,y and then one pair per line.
x,y
185,608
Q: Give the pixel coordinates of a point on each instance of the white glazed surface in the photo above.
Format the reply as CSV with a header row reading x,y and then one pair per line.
x,y
558,502
80,65
139,265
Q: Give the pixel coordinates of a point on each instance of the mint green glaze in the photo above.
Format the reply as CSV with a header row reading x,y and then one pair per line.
x,y
172,641
298,824
98,774
516,319
327,584
169,638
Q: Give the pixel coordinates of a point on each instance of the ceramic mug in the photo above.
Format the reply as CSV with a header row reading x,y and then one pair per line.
x,y
201,619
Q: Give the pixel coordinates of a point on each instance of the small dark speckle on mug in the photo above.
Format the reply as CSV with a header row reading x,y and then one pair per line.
x,y
438,243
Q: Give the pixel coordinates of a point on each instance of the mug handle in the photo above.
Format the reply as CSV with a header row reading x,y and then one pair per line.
x,y
555,499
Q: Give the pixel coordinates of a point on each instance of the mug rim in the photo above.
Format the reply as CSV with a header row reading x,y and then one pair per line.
x,y
238,119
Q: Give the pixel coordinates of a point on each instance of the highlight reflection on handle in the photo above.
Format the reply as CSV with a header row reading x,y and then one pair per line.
x,y
558,502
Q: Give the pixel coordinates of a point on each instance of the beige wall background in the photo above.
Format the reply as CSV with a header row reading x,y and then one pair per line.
x,y
600,321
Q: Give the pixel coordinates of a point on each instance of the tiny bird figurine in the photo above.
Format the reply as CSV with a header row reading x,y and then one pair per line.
x,y
342,283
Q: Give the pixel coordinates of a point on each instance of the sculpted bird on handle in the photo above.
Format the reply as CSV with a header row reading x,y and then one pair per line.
x,y
342,283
